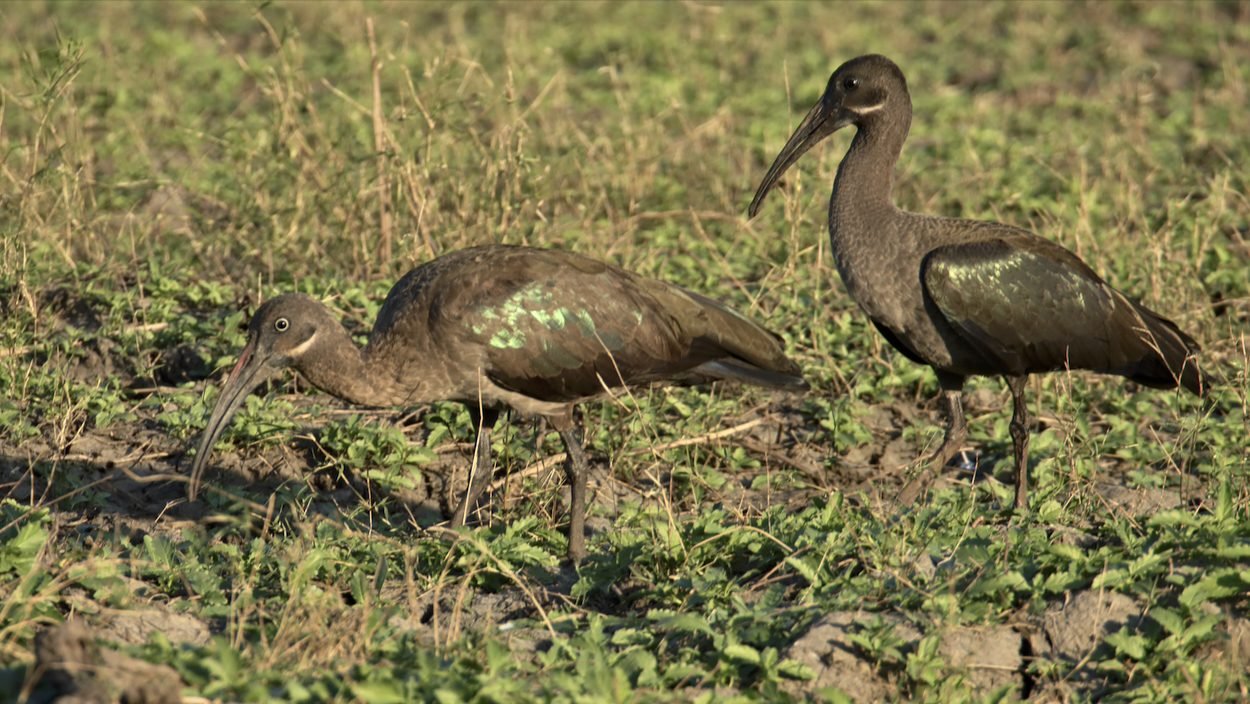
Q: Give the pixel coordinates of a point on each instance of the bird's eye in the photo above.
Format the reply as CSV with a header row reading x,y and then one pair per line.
x,y
281,324
850,84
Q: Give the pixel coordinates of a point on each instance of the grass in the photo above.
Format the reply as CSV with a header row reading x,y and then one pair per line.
x,y
166,165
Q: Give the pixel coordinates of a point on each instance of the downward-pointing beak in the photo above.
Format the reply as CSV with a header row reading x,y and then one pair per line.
x,y
248,373
821,121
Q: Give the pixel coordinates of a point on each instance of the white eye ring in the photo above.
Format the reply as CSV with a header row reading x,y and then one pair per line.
x,y
281,324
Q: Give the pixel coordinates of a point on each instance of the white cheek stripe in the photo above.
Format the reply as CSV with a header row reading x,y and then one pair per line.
x,y
302,347
870,108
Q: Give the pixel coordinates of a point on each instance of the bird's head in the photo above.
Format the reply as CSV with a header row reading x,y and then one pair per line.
x,y
285,330
861,90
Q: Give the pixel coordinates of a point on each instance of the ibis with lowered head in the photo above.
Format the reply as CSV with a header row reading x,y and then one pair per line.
x,y
498,327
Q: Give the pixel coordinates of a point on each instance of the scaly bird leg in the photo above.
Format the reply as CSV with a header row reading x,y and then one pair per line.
x,y
575,469
1020,438
481,470
956,431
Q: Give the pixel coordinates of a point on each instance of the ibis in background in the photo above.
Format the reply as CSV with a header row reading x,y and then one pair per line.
x,y
498,327
967,296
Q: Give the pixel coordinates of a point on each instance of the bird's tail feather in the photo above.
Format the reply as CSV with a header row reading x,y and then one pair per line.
x,y
743,337
1175,359
730,371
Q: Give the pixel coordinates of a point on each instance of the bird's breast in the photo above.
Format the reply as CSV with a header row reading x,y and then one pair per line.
x,y
883,277
884,284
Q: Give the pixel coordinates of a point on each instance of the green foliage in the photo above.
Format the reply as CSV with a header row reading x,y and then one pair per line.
x,y
27,590
14,420
877,641
168,166
379,453
22,538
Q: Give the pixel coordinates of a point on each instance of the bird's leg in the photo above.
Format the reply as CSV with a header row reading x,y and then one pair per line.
x,y
956,430
480,472
1020,438
539,433
575,469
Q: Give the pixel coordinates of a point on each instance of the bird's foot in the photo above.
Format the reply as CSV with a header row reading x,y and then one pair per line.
x,y
962,461
914,488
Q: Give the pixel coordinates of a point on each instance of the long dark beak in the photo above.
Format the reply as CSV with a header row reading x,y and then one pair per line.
x,y
248,373
821,121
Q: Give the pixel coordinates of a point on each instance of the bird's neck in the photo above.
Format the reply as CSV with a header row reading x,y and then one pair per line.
x,y
338,367
861,191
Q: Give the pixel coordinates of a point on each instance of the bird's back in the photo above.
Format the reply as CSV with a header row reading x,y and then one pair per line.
x,y
1031,305
558,326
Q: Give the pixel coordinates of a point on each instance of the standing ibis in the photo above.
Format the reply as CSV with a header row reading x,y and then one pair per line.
x,y
499,327
967,296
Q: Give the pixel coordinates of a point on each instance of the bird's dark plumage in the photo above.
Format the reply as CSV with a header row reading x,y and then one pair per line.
x,y
508,327
965,296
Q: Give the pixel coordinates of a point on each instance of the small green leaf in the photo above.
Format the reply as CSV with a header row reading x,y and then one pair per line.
x,y
803,566
1220,584
1128,643
1065,551
387,692
1169,619
688,622
796,670
742,653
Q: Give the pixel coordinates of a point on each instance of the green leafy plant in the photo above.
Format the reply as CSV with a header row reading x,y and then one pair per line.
x,y
379,453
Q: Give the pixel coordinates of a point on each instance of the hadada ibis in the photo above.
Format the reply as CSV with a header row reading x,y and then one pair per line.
x,y
967,296
498,327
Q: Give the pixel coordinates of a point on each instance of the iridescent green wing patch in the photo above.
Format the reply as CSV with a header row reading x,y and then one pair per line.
x,y
1028,310
553,326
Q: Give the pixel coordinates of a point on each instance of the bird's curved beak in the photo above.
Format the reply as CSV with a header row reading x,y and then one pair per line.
x,y
825,118
252,368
